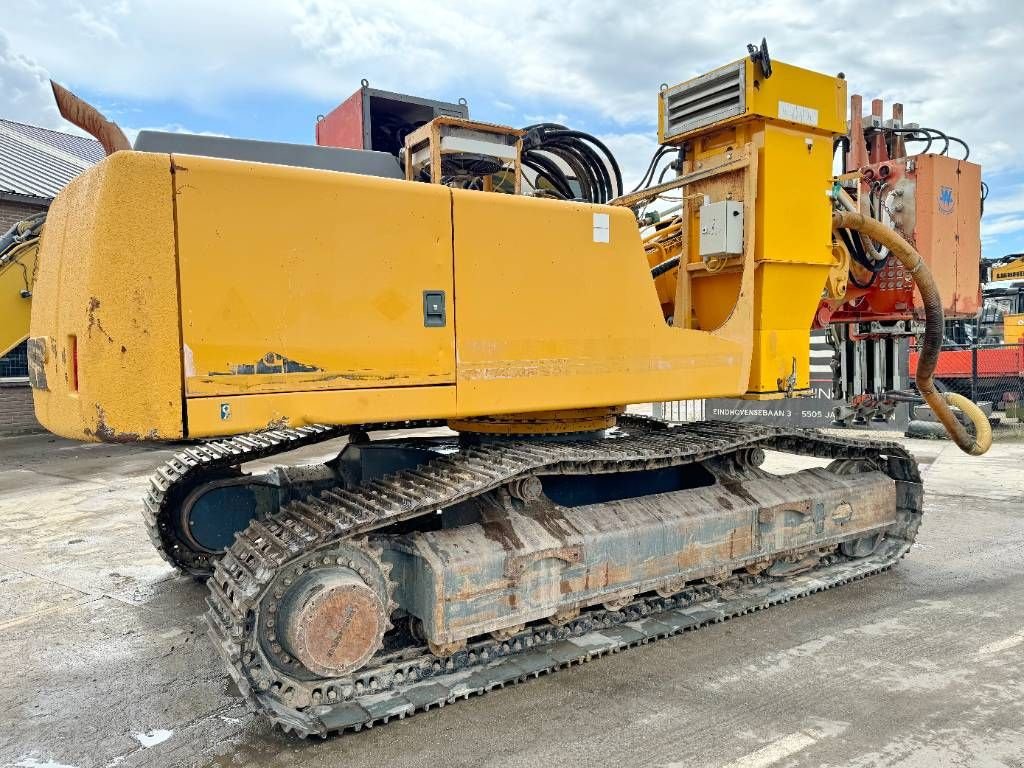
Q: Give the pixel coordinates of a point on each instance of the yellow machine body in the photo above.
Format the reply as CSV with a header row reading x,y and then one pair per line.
x,y
1013,329
16,272
791,119
182,296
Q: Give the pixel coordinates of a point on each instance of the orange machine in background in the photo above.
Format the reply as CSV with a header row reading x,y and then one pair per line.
x,y
933,199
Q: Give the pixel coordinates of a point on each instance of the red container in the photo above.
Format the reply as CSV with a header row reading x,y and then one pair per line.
x,y
379,120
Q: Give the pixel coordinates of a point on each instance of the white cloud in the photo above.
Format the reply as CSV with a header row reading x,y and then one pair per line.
x,y
192,51
26,89
1003,223
559,118
1003,200
953,63
1002,226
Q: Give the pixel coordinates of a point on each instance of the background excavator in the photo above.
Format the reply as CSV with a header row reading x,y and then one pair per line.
x,y
1003,318
494,288
983,355
18,249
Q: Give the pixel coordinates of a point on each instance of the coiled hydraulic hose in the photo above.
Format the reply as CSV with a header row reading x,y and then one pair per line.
x,y
939,402
549,148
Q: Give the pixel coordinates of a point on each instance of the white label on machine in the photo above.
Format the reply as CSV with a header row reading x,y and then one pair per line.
x,y
601,228
797,114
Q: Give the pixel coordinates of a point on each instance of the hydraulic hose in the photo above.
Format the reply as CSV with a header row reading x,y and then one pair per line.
x,y
550,148
877,257
665,266
939,402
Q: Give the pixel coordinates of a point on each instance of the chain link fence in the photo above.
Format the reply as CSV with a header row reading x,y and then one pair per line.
x,y
992,375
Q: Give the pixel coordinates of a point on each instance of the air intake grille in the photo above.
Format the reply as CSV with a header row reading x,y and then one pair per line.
x,y
703,101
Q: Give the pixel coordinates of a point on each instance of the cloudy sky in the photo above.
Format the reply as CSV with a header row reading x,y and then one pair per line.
x,y
265,69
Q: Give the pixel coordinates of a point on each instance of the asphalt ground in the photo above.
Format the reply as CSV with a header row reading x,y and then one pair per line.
x,y
104,659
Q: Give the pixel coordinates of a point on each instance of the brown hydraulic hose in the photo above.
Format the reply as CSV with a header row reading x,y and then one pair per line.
x,y
939,402
90,120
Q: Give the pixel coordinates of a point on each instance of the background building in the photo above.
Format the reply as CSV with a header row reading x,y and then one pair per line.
x,y
35,164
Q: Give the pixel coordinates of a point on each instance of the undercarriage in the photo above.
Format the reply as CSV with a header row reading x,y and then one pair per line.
x,y
407,573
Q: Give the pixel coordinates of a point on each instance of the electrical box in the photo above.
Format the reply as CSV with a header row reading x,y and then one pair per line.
x,y
721,229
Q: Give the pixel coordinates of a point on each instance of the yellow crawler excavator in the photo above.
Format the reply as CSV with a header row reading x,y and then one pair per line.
x,y
259,307
18,248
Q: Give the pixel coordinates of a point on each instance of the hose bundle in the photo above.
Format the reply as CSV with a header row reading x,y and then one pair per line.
x,y
911,135
388,132
660,153
560,156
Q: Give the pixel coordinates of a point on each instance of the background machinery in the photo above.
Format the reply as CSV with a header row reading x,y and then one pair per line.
x,y
1002,317
983,355
933,199
18,249
503,288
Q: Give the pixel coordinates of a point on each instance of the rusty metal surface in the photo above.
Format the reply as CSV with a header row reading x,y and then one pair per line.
x,y
88,118
411,678
330,613
493,664
521,565
36,349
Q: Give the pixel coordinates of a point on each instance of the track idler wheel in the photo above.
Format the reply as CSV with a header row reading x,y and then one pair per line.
x,y
507,633
619,601
671,587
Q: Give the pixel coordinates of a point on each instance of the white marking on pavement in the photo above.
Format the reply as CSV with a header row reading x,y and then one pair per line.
x,y
784,747
1001,645
153,737
772,753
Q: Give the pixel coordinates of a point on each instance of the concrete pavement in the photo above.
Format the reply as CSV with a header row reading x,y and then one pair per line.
x,y
106,662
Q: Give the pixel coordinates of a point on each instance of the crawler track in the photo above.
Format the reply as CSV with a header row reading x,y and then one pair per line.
x,y
409,679
172,481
